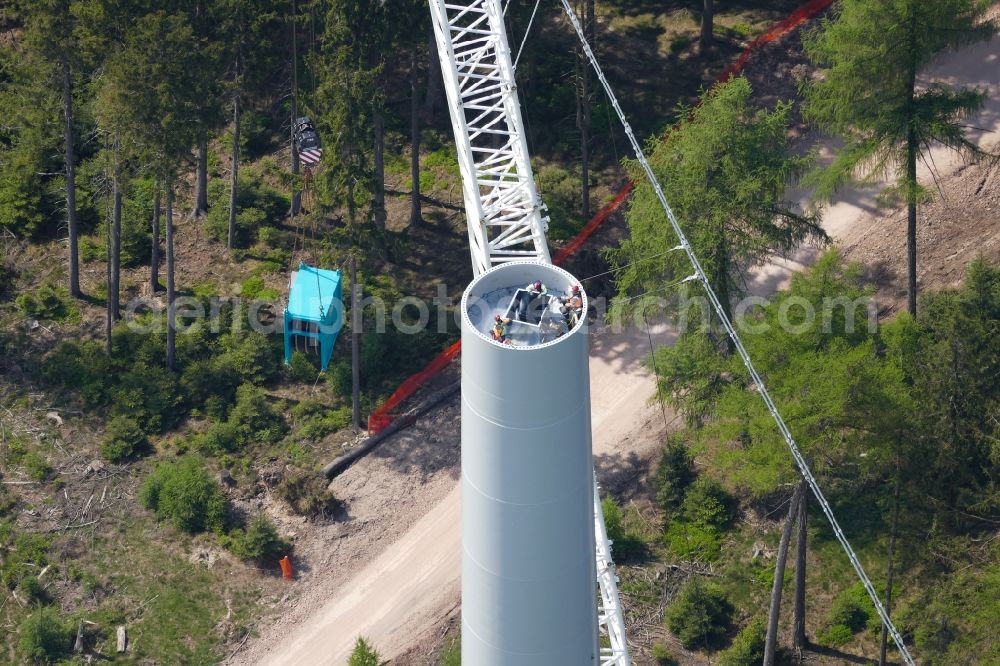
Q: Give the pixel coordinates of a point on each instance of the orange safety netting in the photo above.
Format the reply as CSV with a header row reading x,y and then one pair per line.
x,y
386,413
779,29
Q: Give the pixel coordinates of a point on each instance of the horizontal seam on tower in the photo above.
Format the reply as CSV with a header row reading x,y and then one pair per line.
x,y
513,427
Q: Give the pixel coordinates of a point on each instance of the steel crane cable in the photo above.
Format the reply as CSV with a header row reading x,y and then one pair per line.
x,y
527,31
734,336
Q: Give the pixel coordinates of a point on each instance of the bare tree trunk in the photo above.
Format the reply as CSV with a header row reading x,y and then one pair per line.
x,y
114,305
234,175
707,19
201,176
357,324
912,147
911,223
779,578
415,217
352,208
70,138
378,202
799,623
296,195
171,314
890,570
154,260
590,28
583,123
108,322
434,83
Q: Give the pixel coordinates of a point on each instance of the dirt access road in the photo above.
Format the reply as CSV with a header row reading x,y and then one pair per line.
x,y
407,590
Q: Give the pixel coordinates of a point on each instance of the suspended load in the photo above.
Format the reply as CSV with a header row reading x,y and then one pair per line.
x,y
307,141
315,312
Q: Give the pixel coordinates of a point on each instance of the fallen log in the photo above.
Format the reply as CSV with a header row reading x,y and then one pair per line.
x,y
340,464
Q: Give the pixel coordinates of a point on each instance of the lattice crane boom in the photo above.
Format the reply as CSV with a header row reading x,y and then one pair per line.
x,y
504,211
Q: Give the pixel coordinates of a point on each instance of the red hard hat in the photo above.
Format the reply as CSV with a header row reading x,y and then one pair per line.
x,y
538,284
576,289
497,318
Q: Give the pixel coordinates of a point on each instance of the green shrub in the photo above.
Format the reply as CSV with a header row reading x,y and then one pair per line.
x,y
700,616
257,205
748,647
678,44
44,637
83,366
219,438
21,554
315,420
253,289
850,612
674,474
308,493
91,249
254,419
364,654
302,369
210,384
259,542
31,589
123,440
150,395
689,541
562,191
835,635
36,466
741,29
185,493
275,239
707,504
662,656
612,519
250,356
625,545
48,302
7,501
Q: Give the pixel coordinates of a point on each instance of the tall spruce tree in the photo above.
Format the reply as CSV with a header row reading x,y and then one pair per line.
x,y
150,101
49,31
405,18
252,28
346,99
871,54
30,135
207,46
724,169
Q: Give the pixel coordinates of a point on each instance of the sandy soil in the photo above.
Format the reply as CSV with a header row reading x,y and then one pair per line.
x,y
390,571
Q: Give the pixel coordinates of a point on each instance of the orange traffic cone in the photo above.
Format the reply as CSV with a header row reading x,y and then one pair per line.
x,y
286,568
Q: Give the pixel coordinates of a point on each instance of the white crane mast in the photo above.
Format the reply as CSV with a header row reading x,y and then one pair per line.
x,y
503,208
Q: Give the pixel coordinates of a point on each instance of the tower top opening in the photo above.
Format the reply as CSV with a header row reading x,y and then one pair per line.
x,y
525,304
